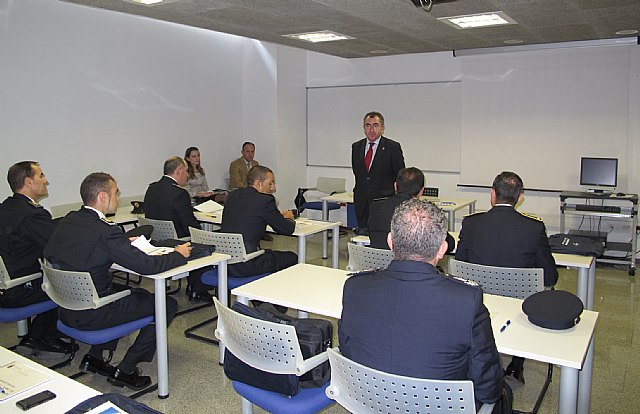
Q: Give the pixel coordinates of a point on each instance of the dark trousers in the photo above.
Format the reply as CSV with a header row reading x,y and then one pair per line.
x,y
42,326
138,304
194,279
268,262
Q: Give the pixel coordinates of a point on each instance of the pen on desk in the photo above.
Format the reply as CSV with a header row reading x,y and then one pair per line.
x,y
507,323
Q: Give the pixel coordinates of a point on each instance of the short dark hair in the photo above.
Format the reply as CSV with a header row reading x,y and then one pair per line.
x,y
18,172
508,186
172,164
94,184
410,181
418,229
244,144
257,173
373,114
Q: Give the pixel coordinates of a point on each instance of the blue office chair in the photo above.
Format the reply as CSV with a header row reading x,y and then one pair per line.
x,y
240,334
22,314
76,291
227,243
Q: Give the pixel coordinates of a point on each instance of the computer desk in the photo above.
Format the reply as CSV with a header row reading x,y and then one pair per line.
x,y
218,259
317,289
69,393
585,265
304,228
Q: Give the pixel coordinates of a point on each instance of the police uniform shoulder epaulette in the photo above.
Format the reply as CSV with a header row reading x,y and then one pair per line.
x,y
468,282
34,203
531,216
109,222
364,272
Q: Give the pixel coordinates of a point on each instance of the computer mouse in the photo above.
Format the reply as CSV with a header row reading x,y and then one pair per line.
x,y
620,194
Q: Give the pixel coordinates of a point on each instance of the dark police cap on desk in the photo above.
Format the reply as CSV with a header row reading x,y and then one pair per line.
x,y
138,207
553,309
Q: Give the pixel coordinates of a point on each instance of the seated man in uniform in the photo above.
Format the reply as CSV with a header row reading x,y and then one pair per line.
x,y
412,320
248,211
25,228
504,237
85,241
167,199
409,184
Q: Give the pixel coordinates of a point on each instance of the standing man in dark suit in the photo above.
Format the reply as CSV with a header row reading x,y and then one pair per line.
x,y
375,161
409,184
433,325
85,241
167,199
504,237
25,228
248,211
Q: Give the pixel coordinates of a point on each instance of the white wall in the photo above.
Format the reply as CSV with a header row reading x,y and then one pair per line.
x,y
330,71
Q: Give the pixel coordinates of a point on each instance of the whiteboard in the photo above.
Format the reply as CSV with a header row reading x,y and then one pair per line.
x,y
425,118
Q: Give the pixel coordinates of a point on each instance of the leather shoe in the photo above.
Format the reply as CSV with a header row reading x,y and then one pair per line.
x,y
39,347
134,381
514,375
96,365
202,297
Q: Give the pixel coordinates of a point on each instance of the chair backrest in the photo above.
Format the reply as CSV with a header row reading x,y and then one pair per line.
x,y
5,279
162,229
74,290
331,185
504,281
264,345
366,258
360,389
227,243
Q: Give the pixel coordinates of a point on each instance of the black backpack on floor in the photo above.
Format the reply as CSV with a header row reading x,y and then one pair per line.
x,y
314,337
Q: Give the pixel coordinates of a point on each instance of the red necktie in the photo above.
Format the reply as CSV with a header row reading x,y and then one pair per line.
x,y
369,156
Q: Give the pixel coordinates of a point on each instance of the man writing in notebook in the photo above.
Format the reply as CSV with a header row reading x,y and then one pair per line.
x,y
85,241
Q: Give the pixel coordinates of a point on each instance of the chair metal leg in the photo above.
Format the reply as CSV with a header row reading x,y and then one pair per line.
x,y
247,406
176,290
543,392
126,278
189,332
150,388
193,309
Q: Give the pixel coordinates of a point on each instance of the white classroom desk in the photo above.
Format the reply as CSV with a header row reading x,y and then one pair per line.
x,y
69,393
218,259
448,205
318,290
304,228
585,265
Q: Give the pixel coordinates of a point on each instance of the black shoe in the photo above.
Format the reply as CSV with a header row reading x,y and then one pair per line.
x,y
514,375
62,346
134,381
97,365
202,297
39,348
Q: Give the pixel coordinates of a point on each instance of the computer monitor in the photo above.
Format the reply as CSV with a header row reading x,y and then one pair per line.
x,y
600,172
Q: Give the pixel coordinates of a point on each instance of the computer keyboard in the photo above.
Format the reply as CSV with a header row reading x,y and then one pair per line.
x,y
601,209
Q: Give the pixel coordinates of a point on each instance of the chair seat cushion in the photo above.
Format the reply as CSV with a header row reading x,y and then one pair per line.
x,y
211,278
9,315
101,336
317,205
308,400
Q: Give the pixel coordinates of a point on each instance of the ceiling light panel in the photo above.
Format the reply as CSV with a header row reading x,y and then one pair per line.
x,y
472,21
317,37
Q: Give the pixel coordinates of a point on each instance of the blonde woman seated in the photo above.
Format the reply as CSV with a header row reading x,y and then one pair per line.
x,y
197,185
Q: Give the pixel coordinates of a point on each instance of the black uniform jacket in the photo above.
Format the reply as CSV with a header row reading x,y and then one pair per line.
x,y
412,320
378,181
166,200
504,237
248,212
25,228
83,242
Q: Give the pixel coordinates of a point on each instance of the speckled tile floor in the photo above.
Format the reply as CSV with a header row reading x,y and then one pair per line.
x,y
198,384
